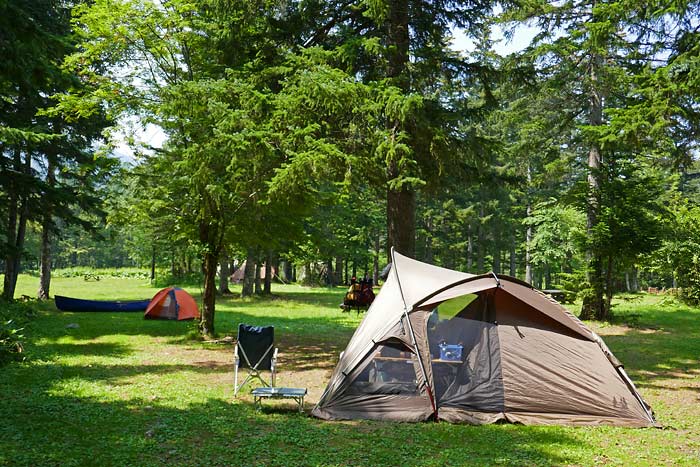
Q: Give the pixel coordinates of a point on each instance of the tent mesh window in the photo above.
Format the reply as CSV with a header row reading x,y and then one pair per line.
x,y
465,358
390,369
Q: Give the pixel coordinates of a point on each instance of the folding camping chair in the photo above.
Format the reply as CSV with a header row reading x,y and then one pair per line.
x,y
254,351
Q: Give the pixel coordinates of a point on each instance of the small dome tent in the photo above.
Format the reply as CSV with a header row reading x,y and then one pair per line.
x,y
441,344
172,303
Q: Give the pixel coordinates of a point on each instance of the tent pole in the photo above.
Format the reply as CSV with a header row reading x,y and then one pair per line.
x,y
413,336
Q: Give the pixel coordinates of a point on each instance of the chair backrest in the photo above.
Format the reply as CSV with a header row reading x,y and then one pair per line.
x,y
255,341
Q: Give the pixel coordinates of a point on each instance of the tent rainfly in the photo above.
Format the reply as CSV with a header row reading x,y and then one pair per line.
x,y
445,345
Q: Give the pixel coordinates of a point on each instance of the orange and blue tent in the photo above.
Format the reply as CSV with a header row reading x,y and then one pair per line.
x,y
172,303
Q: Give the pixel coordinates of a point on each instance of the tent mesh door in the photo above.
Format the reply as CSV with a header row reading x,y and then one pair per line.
x,y
466,358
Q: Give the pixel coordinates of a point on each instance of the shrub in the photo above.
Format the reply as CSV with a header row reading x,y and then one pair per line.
x,y
14,316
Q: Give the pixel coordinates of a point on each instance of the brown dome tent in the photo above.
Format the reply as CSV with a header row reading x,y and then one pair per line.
x,y
172,303
440,344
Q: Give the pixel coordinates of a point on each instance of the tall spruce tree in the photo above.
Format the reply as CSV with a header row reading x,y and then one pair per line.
x,y
592,53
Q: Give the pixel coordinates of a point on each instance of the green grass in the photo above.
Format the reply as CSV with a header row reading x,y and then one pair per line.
x,y
122,391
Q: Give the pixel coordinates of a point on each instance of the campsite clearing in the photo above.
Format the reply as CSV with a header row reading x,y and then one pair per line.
x,y
121,390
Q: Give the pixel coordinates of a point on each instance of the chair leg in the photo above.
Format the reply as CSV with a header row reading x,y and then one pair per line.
x,y
235,381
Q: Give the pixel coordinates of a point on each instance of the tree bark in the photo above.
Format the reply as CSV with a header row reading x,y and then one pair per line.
x,y
206,324
528,232
338,278
401,200
256,281
224,273
267,285
46,224
288,274
594,304
248,274
17,226
513,262
375,261
470,248
330,276
401,219
307,274
153,262
9,282
608,290
45,262
480,240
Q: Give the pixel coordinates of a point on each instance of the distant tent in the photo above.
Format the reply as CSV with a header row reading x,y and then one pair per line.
x,y
238,274
172,303
441,344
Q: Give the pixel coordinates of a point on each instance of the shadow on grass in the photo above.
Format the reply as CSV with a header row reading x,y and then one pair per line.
x,y
50,430
112,373
101,349
93,325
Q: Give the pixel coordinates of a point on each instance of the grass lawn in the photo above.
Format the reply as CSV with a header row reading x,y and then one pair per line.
x,y
122,391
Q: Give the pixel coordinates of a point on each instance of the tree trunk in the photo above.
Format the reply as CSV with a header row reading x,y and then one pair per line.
x,y
9,282
307,273
375,261
401,200
528,233
153,263
267,286
401,220
594,303
513,262
608,291
480,240
45,261
206,324
338,277
635,279
470,248
258,285
428,244
497,261
224,273
330,275
288,274
17,227
248,274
